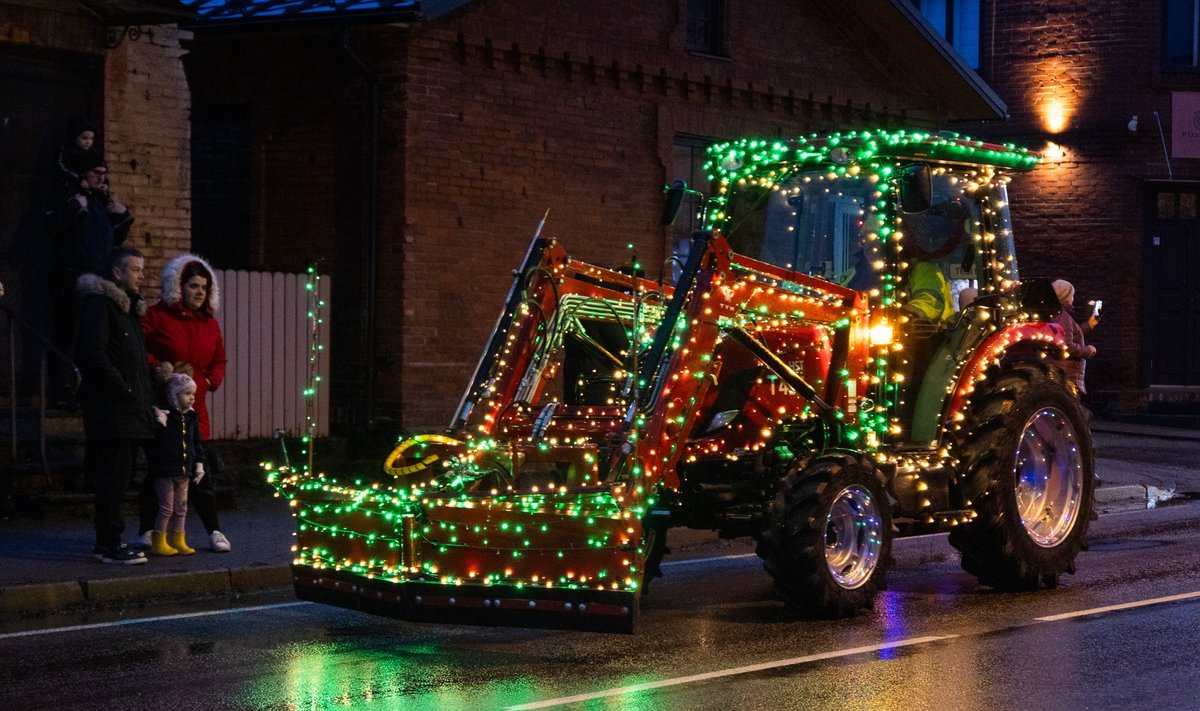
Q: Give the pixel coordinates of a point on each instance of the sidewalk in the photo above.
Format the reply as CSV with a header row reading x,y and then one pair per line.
x,y
47,565
1145,462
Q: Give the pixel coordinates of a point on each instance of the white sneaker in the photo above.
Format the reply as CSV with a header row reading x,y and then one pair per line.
x,y
145,540
218,542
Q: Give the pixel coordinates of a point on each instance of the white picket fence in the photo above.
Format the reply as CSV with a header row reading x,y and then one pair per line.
x,y
268,337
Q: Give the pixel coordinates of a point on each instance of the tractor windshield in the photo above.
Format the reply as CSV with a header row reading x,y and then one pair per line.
x,y
809,222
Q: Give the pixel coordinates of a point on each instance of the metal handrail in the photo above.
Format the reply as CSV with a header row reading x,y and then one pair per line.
x,y
49,348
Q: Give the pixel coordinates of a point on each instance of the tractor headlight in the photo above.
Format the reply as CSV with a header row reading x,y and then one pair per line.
x,y
882,334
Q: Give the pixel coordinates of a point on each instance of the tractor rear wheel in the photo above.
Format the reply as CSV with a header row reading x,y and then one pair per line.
x,y
1026,460
829,536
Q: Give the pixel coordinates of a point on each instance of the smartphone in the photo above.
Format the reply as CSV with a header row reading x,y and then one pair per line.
x,y
1096,306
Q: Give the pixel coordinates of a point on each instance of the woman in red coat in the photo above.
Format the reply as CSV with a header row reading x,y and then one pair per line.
x,y
183,336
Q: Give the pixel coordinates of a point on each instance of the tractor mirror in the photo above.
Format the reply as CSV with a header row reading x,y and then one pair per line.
x,y
675,193
916,188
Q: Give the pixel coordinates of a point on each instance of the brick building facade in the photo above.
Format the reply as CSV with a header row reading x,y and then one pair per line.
x,y
494,113
148,141
123,71
1074,76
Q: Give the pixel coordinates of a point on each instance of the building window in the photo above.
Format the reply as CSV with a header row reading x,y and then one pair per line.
x,y
688,163
958,21
1182,19
706,26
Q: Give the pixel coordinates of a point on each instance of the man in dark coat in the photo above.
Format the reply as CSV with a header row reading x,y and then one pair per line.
x,y
89,222
116,395
85,224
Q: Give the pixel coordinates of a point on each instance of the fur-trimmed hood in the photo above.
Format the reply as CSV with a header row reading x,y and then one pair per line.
x,y
95,285
172,289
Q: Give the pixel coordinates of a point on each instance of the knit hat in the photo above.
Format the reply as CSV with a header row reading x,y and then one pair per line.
x,y
76,125
1064,291
176,384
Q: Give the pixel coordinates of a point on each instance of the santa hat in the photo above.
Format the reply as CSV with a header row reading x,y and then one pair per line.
x,y
176,384
1064,290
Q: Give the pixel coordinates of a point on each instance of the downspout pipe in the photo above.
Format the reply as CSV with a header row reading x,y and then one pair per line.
x,y
372,206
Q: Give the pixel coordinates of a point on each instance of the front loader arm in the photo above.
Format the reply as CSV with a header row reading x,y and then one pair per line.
x,y
725,299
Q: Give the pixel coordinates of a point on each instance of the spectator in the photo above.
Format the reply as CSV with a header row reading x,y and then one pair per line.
x,y
177,459
84,229
80,138
90,222
183,336
1074,364
116,392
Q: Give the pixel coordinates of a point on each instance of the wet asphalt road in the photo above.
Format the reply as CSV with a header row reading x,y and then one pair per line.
x,y
934,641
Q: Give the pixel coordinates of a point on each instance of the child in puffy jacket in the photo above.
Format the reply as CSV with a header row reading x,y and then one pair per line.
x,y
177,457
1074,365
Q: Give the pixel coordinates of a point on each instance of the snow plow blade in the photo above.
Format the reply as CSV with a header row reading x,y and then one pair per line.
x,y
526,561
554,608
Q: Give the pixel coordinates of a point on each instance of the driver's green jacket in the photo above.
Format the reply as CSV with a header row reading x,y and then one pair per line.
x,y
929,293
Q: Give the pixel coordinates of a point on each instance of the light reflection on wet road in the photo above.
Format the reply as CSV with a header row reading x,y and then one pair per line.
x,y
704,619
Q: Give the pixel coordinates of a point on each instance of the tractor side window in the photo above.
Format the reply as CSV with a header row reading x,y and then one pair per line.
x,y
1000,225
941,244
808,223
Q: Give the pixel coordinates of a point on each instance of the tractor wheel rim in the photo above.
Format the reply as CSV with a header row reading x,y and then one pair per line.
x,y
1048,477
853,537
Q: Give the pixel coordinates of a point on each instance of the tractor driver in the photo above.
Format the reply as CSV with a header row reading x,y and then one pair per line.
x,y
929,296
928,237
931,236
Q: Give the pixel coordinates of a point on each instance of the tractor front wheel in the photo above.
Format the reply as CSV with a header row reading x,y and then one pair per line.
x,y
829,537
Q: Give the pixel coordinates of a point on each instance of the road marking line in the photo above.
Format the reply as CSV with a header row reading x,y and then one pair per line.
x,y
727,672
160,618
697,561
1121,606
738,556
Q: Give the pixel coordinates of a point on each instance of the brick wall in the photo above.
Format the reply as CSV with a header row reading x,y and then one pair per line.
x,y
140,100
510,108
147,135
1074,73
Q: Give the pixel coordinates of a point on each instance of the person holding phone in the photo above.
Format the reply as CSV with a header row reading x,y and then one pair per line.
x,y
1074,364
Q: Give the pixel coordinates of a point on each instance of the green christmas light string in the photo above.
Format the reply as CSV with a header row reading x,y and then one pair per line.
x,y
368,528
316,350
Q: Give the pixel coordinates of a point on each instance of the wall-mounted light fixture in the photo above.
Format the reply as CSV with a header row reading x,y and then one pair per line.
x,y
1054,152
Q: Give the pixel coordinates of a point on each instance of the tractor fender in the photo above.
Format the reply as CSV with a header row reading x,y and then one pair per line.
x,y
1041,338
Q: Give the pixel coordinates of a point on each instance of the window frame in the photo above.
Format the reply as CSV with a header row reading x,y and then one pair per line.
x,y
951,36
1167,64
716,25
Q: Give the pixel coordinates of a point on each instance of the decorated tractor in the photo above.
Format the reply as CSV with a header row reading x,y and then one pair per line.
x,y
844,354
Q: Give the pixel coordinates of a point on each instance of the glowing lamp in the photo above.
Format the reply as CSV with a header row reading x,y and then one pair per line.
x,y
882,334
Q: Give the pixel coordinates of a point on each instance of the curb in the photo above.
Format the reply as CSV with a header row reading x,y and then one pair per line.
x,y
915,551
38,598
1150,495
